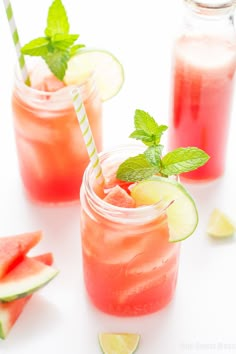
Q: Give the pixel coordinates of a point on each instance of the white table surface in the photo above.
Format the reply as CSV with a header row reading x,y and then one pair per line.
x,y
59,319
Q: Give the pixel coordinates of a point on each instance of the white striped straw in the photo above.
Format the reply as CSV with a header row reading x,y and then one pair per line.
x,y
16,41
87,134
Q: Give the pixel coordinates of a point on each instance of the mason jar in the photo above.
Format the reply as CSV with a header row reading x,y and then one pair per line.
x,y
130,268
50,147
204,62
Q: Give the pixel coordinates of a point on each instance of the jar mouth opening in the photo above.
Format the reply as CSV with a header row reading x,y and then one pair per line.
x,y
116,213
32,64
221,5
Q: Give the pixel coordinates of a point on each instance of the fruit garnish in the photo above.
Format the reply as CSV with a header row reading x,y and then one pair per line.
x,y
119,343
58,45
153,173
14,248
25,278
151,162
219,225
108,71
10,311
182,213
71,62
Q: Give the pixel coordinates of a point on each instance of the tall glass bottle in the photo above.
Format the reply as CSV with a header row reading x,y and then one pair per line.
x,y
204,62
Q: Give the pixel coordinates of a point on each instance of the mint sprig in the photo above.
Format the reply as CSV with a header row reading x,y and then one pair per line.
x,y
146,128
57,47
151,162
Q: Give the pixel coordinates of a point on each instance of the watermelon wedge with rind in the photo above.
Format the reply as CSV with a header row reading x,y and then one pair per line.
x,y
10,311
27,277
14,248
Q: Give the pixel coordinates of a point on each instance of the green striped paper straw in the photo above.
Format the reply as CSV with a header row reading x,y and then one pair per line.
x,y
16,41
87,134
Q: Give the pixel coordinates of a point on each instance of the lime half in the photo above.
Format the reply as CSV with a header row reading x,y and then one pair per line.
x,y
182,213
108,71
219,225
119,343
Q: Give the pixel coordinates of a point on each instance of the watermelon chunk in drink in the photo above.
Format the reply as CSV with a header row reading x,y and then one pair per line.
x,y
119,197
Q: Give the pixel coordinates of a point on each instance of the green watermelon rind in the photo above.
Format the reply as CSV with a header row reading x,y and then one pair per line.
x,y
27,287
6,322
3,329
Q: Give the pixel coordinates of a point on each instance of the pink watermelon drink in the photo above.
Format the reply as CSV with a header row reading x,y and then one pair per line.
x,y
132,222
51,153
130,268
204,70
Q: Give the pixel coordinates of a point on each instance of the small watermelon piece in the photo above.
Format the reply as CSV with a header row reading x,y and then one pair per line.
x,y
14,248
119,197
27,277
111,180
10,311
46,258
49,84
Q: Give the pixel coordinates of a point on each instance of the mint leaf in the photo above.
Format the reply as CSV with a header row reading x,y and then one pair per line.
x,y
57,21
75,48
153,155
36,47
183,160
160,131
143,121
136,169
57,62
146,138
63,41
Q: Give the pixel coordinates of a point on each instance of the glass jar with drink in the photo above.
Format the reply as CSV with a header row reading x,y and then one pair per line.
x,y
131,223
51,153
204,63
130,268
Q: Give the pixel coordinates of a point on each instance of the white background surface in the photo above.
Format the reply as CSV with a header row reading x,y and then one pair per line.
x,y
59,319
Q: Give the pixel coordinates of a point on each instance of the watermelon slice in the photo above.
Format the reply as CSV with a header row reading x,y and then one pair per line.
x,y
24,279
14,248
10,311
119,197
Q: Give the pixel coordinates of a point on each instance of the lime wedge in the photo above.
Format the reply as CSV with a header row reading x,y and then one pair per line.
x,y
219,225
182,213
108,71
118,343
